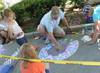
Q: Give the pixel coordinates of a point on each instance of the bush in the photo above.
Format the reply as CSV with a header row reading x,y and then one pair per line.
x,y
34,9
77,3
1,6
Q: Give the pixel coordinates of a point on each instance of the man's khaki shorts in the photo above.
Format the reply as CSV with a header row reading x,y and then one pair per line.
x,y
58,31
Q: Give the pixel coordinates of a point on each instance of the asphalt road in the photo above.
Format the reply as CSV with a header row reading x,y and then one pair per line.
x,y
85,52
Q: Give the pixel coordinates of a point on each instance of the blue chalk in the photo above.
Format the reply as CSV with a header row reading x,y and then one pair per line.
x,y
6,68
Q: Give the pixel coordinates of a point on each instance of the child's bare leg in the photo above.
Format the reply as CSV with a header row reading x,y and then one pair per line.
x,y
4,36
3,33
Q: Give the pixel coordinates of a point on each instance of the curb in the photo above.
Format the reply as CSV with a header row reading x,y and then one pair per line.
x,y
28,34
32,33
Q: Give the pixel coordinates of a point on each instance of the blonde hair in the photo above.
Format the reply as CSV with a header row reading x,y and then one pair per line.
x,y
27,52
8,12
55,10
26,49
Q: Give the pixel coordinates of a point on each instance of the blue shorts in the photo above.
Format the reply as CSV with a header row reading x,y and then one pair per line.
x,y
22,40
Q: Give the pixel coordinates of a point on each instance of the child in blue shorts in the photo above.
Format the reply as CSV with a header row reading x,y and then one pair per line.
x,y
13,30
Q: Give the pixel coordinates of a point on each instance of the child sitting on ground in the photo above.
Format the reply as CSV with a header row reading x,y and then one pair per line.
x,y
28,51
13,31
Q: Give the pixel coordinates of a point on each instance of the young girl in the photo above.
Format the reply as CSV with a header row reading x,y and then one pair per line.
x,y
13,29
28,51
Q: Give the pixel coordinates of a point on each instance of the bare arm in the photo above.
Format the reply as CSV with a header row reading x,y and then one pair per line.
x,y
53,40
65,22
10,33
10,30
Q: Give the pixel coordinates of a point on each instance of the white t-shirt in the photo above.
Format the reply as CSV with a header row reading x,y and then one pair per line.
x,y
49,23
16,28
3,26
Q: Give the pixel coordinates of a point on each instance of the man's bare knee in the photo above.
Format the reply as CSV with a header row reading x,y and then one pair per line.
x,y
41,29
63,34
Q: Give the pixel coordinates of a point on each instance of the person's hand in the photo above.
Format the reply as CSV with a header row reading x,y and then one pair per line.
x,y
58,46
68,30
